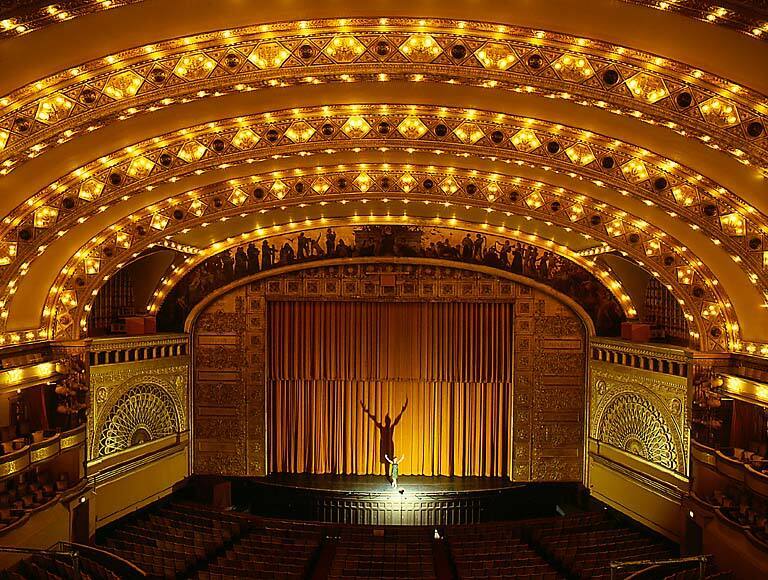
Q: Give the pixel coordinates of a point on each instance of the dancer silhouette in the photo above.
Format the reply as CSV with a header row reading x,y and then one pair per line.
x,y
386,435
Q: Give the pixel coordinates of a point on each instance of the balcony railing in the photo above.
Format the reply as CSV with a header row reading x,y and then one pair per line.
x,y
137,348
30,455
665,359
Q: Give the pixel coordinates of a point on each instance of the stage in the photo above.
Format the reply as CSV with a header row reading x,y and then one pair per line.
x,y
416,501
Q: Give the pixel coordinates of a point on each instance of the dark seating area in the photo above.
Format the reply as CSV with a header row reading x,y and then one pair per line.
x,y
273,550
585,545
49,566
495,551
172,540
390,552
187,540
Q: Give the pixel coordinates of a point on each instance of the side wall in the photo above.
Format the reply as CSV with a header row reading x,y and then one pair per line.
x,y
229,379
138,427
638,444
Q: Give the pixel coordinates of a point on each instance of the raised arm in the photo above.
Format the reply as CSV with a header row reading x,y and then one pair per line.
x,y
387,458
370,415
400,415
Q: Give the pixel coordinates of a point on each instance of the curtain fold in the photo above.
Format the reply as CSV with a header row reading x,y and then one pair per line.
x,y
340,373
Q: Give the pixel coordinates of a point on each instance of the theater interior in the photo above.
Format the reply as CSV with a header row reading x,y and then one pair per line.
x,y
417,290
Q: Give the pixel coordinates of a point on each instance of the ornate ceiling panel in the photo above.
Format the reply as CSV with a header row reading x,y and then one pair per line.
x,y
75,215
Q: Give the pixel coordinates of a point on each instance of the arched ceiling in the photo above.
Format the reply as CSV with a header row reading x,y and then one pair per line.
x,y
196,124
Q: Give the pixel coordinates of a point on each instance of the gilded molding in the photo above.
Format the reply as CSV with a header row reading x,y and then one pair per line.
x,y
133,342
669,353
107,91
73,438
46,450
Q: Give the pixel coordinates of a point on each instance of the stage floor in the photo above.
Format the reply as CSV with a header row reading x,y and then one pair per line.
x,y
379,484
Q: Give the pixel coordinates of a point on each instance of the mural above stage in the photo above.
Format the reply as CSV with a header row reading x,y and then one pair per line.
x,y
507,254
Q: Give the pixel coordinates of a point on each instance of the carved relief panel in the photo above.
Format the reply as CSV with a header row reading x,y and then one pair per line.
x,y
138,401
640,412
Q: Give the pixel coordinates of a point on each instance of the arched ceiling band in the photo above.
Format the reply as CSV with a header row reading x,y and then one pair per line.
x,y
154,20
268,196
523,141
718,112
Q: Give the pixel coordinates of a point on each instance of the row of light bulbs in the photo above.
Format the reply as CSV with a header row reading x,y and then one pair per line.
x,y
237,187
126,84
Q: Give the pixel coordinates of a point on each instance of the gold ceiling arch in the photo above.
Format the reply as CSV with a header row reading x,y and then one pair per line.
x,y
519,140
686,275
50,118
51,111
36,15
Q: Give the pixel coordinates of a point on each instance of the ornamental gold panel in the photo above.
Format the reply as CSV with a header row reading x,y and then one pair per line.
x,y
640,412
135,402
230,361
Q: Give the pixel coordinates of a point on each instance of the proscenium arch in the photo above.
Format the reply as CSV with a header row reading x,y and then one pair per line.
x,y
604,276
238,221
493,272
725,278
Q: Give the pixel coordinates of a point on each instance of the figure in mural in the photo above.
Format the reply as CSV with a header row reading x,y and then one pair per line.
x,y
479,247
395,463
517,259
266,255
369,241
467,248
286,254
253,259
386,437
330,242
317,250
241,263
504,252
303,247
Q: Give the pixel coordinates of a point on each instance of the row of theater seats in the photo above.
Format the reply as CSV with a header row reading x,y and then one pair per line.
x,y
48,566
184,540
172,540
273,549
394,552
743,507
495,551
586,545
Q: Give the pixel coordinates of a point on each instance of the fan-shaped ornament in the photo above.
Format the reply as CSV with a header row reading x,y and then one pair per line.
x,y
144,413
633,424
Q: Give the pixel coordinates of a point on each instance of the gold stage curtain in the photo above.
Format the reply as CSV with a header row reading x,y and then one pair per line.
x,y
452,362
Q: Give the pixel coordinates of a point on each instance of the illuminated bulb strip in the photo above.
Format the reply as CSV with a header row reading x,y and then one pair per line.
x,y
357,125
497,178
211,40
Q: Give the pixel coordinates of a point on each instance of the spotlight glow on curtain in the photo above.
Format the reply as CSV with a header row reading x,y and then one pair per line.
x,y
452,362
